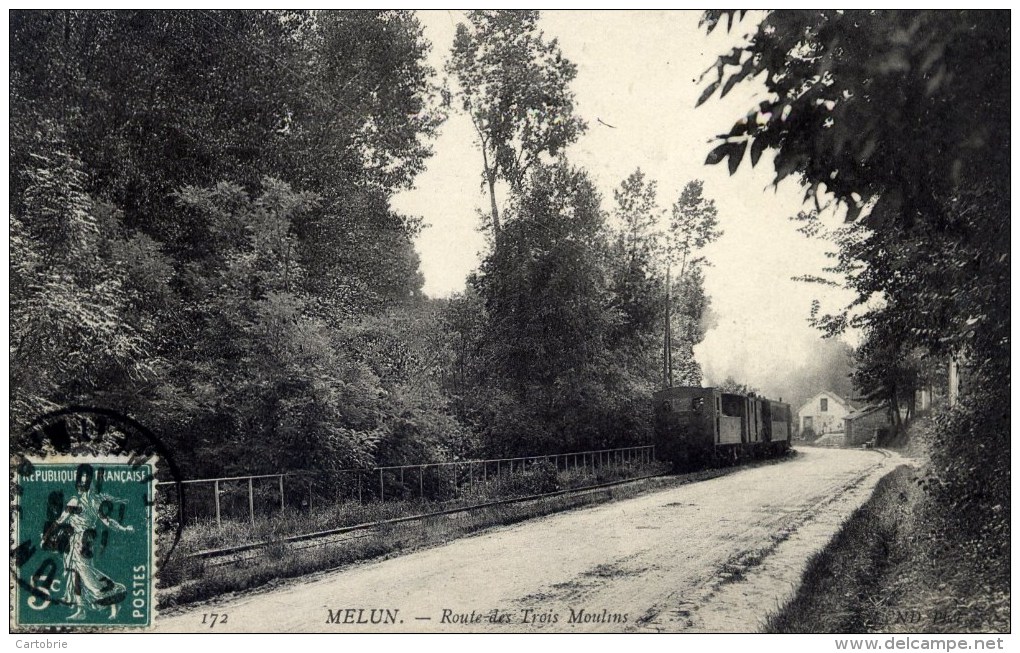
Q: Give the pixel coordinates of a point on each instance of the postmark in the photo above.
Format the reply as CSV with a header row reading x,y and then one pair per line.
x,y
84,554
87,431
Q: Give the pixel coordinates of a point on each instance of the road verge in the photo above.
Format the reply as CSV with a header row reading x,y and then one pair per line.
x,y
888,570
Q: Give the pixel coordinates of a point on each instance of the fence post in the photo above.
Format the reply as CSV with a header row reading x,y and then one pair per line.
x,y
251,503
382,488
216,491
281,493
421,482
309,494
359,487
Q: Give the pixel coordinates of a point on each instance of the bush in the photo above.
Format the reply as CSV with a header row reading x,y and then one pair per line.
x,y
538,478
968,474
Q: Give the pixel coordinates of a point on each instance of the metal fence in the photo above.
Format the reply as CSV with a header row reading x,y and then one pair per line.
x,y
263,494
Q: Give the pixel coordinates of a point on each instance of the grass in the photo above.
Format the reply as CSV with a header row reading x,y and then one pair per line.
x,y
888,570
186,580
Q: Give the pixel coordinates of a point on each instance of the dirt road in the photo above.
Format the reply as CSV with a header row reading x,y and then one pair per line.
x,y
712,556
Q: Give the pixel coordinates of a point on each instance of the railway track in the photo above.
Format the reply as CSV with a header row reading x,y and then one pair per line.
x,y
250,551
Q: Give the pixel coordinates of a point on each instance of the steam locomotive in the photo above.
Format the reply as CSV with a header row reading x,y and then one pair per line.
x,y
705,427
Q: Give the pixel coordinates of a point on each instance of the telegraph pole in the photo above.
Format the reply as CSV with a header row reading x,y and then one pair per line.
x,y
667,340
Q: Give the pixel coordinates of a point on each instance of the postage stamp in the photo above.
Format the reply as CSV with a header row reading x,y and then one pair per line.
x,y
84,550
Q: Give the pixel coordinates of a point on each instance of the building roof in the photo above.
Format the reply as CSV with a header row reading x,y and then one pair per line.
x,y
845,403
864,411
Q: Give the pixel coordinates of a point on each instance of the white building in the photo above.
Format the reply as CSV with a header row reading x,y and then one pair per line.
x,y
823,413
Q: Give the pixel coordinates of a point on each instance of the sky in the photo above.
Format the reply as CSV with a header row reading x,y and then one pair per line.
x,y
638,71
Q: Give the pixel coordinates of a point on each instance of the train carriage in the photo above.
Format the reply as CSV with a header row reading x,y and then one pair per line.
x,y
699,427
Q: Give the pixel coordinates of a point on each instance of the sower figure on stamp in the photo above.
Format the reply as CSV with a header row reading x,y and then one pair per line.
x,y
86,587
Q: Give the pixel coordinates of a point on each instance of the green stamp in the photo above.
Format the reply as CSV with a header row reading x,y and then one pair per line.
x,y
83,553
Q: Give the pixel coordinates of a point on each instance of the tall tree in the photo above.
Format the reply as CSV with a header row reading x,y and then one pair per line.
x,y
547,295
693,225
514,85
637,281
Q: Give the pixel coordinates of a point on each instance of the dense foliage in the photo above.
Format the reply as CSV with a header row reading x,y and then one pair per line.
x,y
202,238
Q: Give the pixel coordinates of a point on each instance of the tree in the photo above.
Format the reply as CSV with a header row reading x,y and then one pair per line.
x,y
360,129
689,309
693,225
884,374
154,100
637,280
514,86
902,112
558,253
466,321
731,385
369,105
71,336
342,104
551,379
